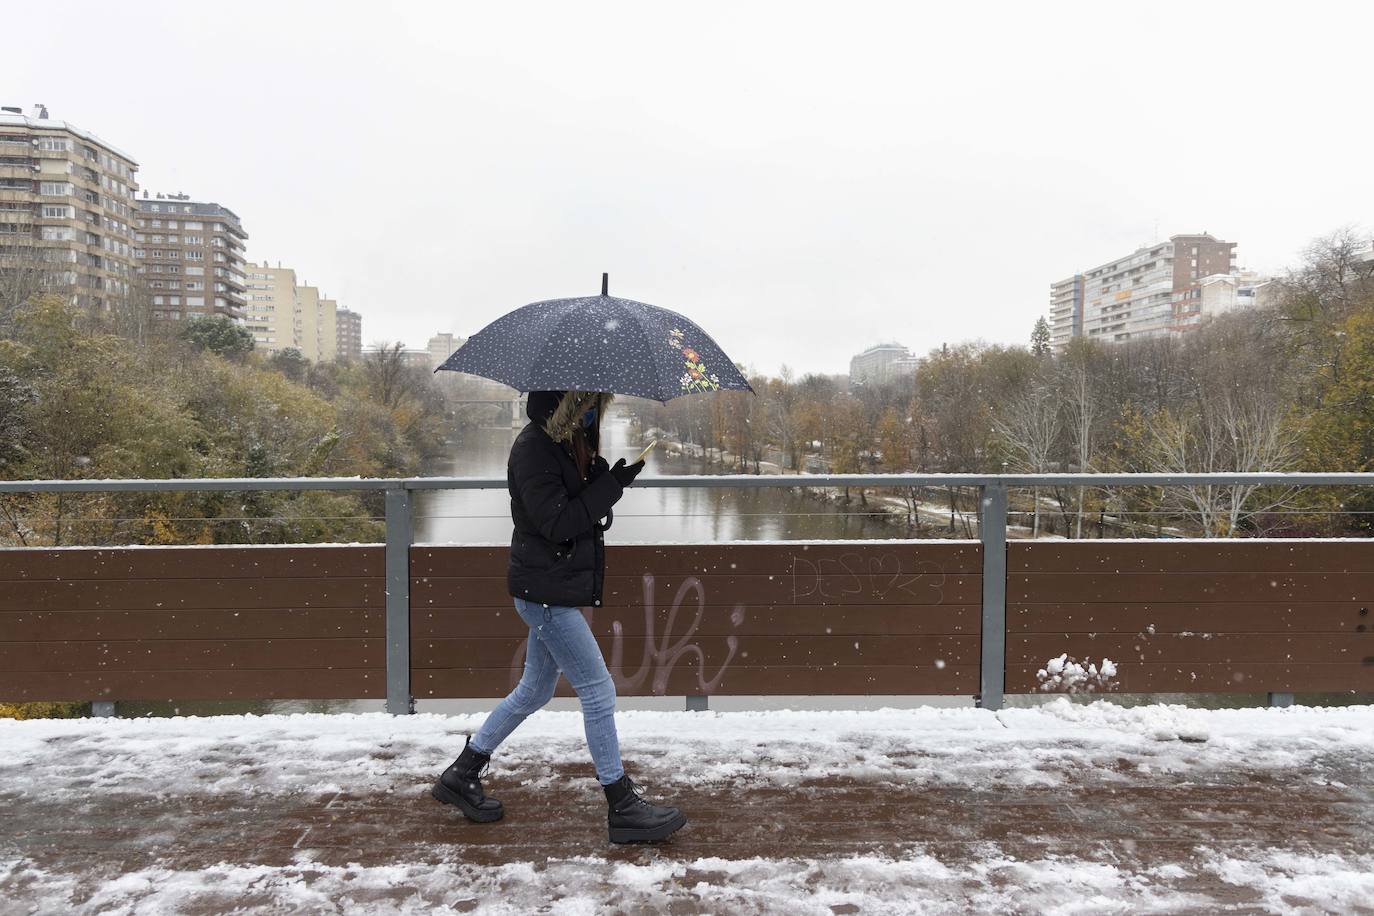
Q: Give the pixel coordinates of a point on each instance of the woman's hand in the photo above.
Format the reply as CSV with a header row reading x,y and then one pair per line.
x,y
597,468
626,473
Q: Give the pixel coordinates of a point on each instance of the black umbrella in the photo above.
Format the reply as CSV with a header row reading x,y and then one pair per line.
x,y
598,343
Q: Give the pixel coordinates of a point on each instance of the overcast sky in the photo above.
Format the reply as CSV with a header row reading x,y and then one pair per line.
x,y
801,179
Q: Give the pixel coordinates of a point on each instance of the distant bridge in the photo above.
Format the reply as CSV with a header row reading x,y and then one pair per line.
x,y
516,405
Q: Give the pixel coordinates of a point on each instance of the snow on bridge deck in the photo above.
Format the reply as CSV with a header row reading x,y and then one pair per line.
x,y
1065,807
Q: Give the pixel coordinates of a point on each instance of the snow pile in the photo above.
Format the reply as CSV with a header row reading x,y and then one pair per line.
x,y
914,882
287,754
1068,675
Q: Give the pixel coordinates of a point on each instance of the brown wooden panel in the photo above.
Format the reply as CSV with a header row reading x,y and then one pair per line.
x,y
1296,555
715,652
217,562
284,684
1197,617
252,623
209,654
719,620
1190,586
132,594
749,590
684,679
1217,648
827,566
1242,677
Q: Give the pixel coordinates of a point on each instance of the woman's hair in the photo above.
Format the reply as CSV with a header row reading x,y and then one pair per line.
x,y
564,424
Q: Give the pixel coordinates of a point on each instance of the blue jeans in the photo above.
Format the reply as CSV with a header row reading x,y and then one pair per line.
x,y
560,640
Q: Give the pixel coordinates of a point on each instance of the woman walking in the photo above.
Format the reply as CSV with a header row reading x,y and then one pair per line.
x,y
561,490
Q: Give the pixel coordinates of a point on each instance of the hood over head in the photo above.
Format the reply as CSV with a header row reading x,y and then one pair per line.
x,y
559,412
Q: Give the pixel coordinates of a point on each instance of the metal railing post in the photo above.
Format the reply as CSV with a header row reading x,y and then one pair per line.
x,y
399,701
992,530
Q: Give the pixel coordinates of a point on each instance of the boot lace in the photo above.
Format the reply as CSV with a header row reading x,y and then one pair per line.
x,y
635,795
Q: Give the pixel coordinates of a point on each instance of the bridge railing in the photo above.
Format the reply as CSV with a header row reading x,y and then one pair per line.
x,y
982,617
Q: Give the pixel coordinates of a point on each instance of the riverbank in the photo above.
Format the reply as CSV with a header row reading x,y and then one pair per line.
x,y
931,519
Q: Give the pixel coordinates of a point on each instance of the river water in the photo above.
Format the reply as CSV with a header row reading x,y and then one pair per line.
x,y
666,515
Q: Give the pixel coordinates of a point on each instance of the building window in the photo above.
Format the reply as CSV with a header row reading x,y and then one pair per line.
x,y
195,255
195,301
58,212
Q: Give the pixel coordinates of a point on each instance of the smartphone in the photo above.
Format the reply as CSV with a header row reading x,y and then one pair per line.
x,y
652,443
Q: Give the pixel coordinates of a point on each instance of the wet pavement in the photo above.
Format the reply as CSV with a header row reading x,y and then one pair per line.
x,y
1170,831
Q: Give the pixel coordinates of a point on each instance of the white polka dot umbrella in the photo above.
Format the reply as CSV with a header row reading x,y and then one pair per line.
x,y
598,343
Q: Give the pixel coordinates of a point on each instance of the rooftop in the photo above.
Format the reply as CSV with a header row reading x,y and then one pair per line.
x,y
168,204
9,119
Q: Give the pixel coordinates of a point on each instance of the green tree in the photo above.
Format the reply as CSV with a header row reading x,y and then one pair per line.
x,y
1338,434
290,363
1040,337
219,334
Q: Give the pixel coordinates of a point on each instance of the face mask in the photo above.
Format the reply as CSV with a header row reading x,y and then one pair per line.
x,y
589,417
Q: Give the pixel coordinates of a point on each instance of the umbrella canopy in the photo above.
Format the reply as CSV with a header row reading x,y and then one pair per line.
x,y
598,343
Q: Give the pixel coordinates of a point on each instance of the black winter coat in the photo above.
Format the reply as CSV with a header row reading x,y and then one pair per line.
x,y
557,551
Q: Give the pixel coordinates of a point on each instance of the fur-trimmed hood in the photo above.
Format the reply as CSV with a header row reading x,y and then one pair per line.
x,y
560,418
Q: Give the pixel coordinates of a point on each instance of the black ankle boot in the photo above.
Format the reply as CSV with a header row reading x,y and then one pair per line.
x,y
631,819
461,785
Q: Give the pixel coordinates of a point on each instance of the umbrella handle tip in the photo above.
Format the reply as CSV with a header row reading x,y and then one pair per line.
x,y
605,284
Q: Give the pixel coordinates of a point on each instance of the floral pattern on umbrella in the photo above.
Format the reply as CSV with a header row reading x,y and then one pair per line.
x,y
696,378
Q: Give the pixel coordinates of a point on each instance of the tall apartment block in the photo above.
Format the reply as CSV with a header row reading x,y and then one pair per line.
x,y
1146,293
66,209
327,330
190,257
348,330
881,363
282,313
270,311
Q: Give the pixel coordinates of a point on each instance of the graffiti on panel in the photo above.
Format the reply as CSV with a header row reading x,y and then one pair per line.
x,y
854,575
661,653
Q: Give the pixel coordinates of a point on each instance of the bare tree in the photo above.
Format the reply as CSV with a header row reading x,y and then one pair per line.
x,y
1239,430
394,381
27,271
1081,407
1030,427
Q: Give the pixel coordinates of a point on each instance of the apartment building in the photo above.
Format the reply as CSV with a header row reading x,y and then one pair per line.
x,y
1138,295
66,210
190,257
881,363
1218,294
348,334
270,309
441,347
327,331
282,312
